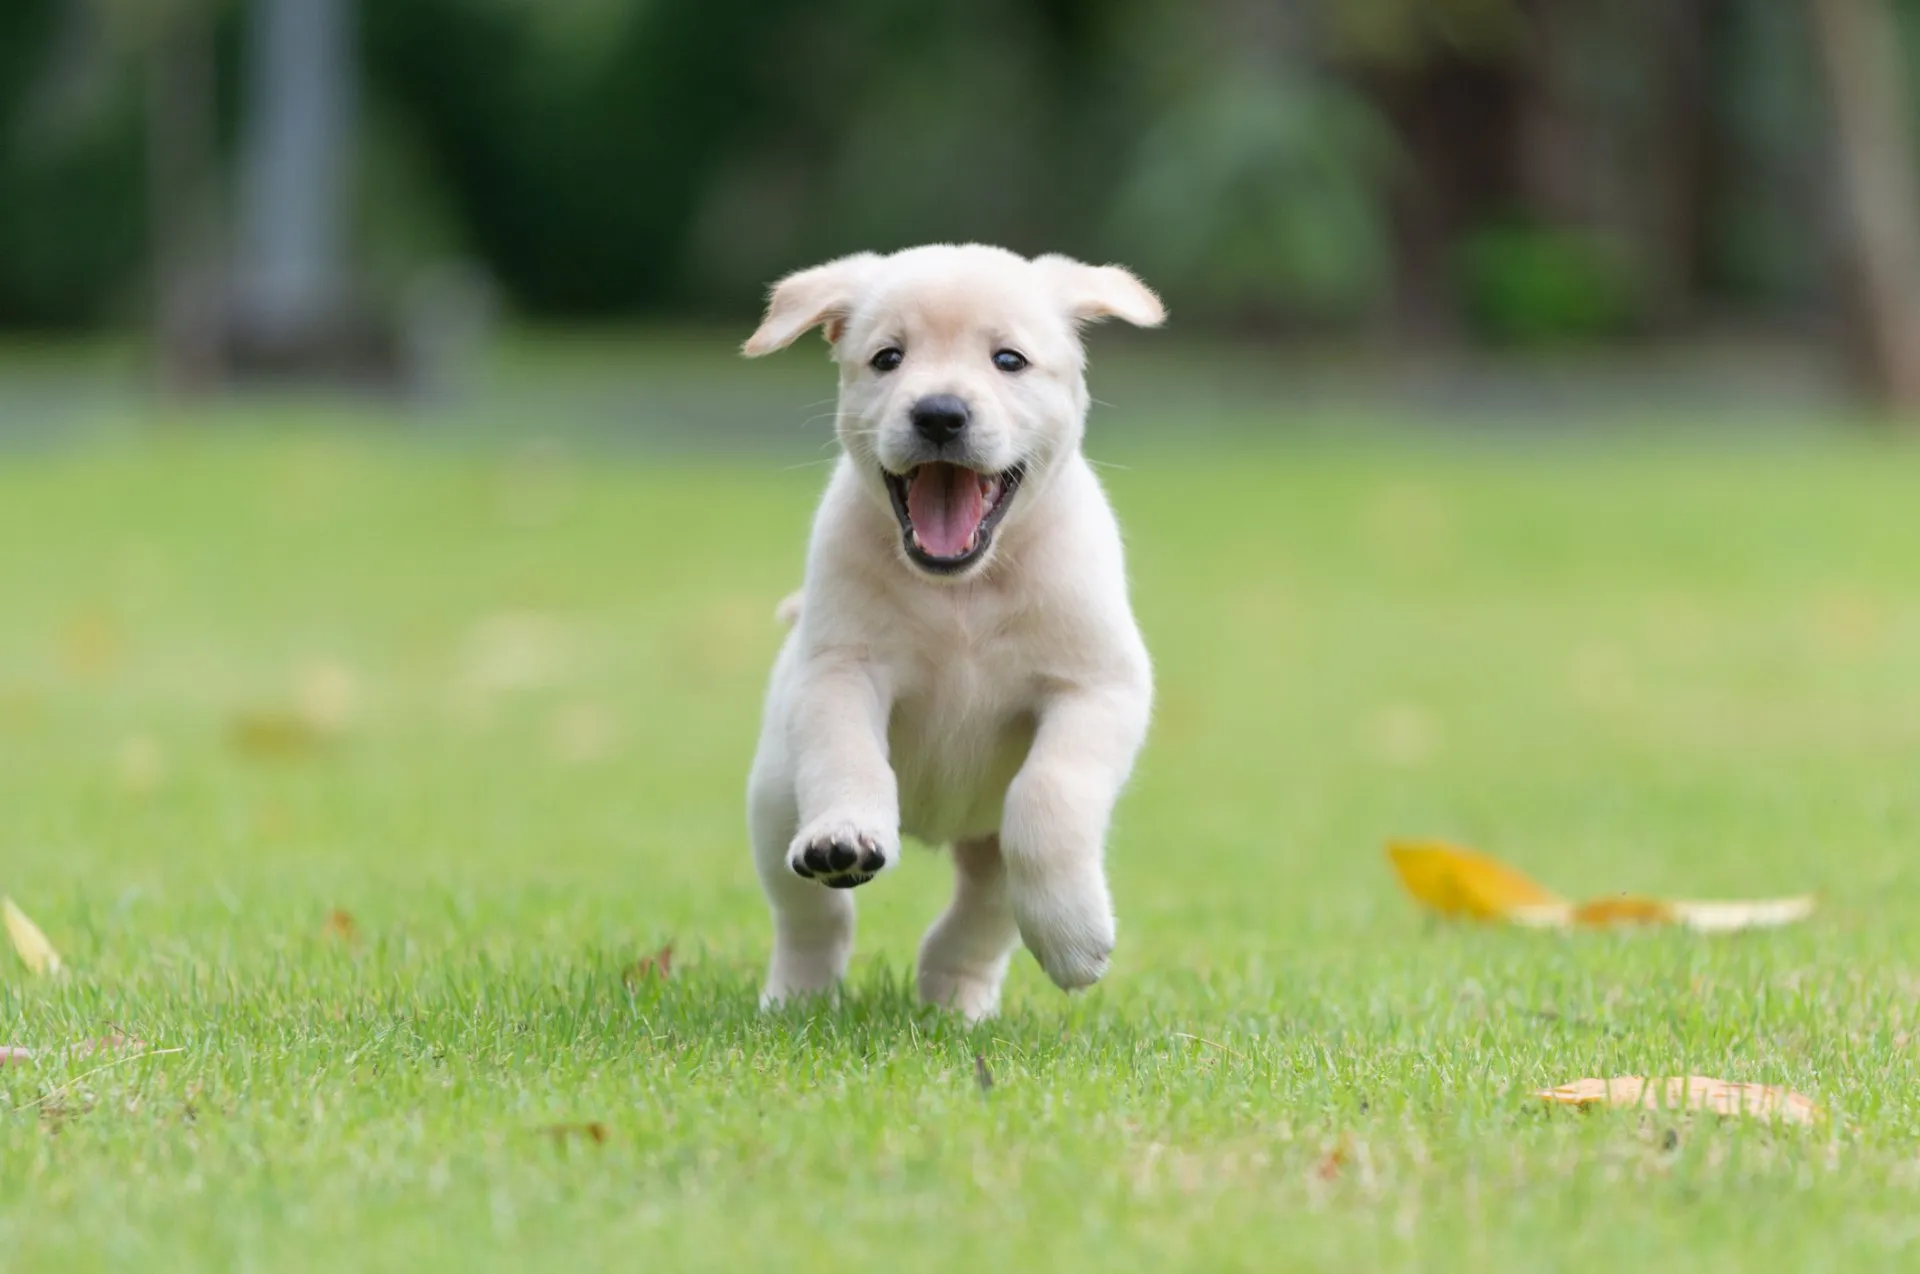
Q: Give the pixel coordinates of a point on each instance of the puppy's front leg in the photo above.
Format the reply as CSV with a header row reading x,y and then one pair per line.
x,y
1054,830
849,805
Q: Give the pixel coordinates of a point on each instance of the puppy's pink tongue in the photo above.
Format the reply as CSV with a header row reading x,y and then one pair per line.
x,y
945,504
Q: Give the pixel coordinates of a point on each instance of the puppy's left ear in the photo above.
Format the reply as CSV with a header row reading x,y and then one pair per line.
x,y
1095,292
822,296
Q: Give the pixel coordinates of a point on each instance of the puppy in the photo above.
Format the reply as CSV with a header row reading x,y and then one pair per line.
x,y
964,666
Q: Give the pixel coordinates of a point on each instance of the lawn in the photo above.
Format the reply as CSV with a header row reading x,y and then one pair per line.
x,y
1688,669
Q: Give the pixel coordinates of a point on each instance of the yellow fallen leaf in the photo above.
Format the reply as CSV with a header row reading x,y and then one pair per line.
x,y
1453,881
1624,910
1730,917
341,926
1463,882
35,951
1692,1092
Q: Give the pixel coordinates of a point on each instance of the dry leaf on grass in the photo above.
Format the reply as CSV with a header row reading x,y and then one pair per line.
x,y
658,965
1624,910
324,706
1463,882
1730,917
35,951
1452,881
592,1130
341,926
1331,1163
276,735
1692,1092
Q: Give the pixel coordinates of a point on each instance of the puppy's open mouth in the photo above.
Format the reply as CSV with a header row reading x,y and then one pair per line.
x,y
947,512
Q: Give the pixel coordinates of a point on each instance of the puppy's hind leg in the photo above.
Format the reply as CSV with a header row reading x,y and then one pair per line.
x,y
963,958
812,925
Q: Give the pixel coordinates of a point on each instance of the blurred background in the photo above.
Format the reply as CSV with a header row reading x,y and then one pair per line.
x,y
1472,207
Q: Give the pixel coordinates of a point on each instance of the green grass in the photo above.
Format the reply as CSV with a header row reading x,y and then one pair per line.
x,y
1652,669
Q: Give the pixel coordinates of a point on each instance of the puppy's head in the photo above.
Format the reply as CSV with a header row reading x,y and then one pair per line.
x,y
962,379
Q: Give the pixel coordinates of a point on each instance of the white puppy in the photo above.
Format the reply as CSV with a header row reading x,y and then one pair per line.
x,y
964,666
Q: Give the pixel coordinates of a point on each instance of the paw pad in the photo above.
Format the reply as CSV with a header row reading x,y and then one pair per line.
x,y
838,862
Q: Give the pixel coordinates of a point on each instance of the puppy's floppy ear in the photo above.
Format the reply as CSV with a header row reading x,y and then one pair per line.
x,y
823,295
1095,292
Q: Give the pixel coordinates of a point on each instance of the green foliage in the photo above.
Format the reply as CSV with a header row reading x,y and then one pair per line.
x,y
626,156
71,192
577,142
1259,192
614,156
1528,284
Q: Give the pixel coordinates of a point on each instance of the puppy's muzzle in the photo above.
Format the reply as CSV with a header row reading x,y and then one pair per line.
x,y
940,418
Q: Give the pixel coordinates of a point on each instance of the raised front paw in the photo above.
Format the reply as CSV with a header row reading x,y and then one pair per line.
x,y
840,854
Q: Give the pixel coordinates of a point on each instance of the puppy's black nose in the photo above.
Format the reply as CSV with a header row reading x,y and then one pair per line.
x,y
939,418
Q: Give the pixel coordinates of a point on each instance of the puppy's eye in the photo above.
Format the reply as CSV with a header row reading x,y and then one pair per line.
x,y
1009,360
887,359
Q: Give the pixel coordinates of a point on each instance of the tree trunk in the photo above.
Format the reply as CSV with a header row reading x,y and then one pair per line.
x,y
1457,120
1860,47
183,217
291,271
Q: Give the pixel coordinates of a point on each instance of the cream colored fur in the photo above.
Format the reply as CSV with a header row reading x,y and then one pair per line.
x,y
997,711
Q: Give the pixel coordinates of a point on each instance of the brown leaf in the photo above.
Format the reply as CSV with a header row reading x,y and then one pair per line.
x,y
591,1130
1692,1092
1332,1162
658,965
341,927
276,735
1624,910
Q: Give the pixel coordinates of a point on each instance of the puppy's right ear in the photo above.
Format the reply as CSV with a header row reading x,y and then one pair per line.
x,y
821,296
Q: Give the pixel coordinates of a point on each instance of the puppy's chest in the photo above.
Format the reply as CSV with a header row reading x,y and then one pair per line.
x,y
961,724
